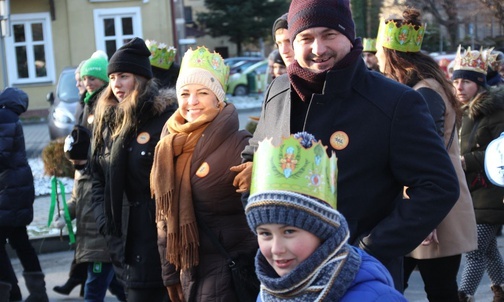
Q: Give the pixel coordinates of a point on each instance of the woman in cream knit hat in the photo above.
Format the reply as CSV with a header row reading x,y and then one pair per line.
x,y
193,185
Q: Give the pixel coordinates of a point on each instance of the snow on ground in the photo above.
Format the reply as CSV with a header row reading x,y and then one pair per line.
x,y
246,102
43,182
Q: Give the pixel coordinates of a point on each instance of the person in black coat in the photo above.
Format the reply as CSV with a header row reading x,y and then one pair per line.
x,y
17,195
164,68
129,117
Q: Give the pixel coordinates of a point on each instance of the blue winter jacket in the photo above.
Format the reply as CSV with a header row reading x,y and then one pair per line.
x,y
372,283
17,192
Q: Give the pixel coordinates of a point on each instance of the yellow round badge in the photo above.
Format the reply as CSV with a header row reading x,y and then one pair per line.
x,y
203,170
339,140
90,119
143,138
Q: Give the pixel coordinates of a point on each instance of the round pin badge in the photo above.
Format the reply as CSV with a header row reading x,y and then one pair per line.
x,y
203,170
143,138
339,140
90,119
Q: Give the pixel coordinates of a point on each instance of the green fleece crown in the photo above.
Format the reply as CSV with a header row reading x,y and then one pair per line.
x,y
161,55
292,167
204,59
369,45
405,38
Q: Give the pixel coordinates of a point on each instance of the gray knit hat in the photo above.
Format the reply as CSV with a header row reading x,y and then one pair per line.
x,y
294,209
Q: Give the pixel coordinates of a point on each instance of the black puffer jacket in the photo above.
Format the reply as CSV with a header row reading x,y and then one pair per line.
x,y
483,121
16,179
122,203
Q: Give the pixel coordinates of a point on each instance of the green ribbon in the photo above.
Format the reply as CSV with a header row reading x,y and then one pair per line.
x,y
54,196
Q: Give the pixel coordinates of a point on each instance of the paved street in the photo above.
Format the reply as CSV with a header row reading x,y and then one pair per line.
x,y
56,263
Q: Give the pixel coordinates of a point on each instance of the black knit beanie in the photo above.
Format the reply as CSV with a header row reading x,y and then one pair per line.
x,y
335,14
278,59
476,77
132,57
77,143
281,22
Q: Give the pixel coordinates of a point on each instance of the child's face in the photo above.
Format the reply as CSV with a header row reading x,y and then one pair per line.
x,y
285,247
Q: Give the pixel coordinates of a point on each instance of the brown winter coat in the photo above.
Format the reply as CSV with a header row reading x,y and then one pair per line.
x,y
215,200
90,245
457,231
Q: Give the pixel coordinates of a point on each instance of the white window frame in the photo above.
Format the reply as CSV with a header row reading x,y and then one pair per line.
x,y
10,52
116,14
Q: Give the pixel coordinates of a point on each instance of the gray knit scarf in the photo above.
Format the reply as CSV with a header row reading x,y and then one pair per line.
x,y
324,276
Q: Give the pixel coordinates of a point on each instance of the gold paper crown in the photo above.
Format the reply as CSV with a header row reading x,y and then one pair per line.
x,y
406,38
292,167
369,45
204,59
161,55
473,60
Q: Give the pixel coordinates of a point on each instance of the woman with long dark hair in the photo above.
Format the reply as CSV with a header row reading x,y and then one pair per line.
x,y
399,56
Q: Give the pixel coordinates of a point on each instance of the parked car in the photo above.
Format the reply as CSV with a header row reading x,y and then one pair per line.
x,y
61,117
233,60
242,65
252,79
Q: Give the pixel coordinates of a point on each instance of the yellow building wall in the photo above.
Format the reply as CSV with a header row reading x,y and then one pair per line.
x,y
74,37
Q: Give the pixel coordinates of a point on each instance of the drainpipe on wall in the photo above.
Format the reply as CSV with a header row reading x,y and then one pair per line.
x,y
174,30
4,30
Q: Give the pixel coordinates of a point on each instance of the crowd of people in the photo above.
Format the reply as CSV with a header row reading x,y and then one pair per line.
x,y
367,163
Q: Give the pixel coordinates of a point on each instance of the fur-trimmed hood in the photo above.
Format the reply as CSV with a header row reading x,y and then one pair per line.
x,y
486,103
156,100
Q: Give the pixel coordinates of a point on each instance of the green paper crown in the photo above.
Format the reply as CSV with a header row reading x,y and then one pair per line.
x,y
161,55
292,167
204,59
369,45
406,38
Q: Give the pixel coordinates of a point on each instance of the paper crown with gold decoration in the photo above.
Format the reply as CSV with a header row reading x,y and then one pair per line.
x,y
405,38
161,56
202,58
369,45
473,60
293,167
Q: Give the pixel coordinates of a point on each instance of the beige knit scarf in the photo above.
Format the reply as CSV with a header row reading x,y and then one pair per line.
x,y
171,187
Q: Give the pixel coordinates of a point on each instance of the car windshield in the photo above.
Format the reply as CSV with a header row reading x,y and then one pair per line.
x,y
67,91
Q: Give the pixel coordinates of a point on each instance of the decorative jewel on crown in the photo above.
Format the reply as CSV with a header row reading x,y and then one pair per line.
x,y
204,59
293,167
473,60
406,38
161,55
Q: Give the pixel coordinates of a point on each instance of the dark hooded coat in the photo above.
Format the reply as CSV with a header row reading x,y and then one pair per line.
x,y
17,192
483,121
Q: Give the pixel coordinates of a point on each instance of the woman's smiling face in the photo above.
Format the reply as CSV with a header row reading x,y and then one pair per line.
x,y
195,100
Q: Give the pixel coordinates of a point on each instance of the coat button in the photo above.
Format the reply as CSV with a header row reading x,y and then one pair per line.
x,y
142,153
138,258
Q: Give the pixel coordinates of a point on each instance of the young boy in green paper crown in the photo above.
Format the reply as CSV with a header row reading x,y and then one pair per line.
x,y
303,250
